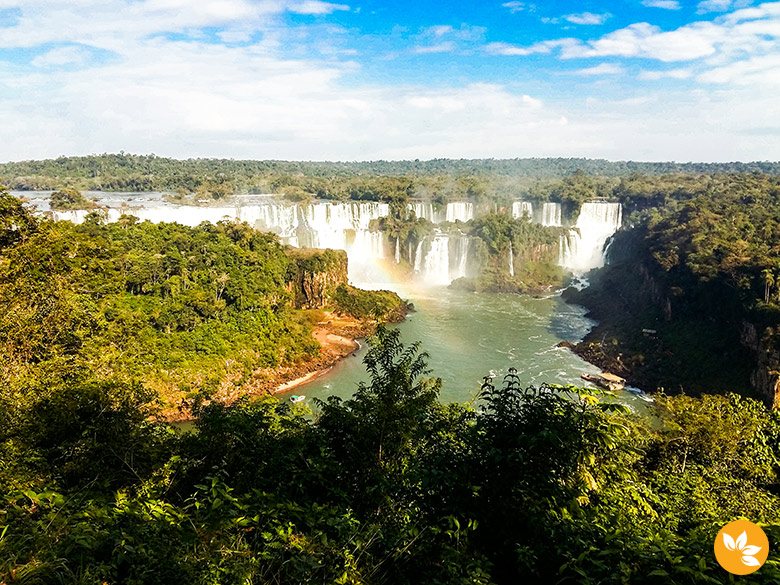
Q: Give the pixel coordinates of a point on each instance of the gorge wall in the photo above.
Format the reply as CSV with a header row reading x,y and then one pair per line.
x,y
313,276
667,329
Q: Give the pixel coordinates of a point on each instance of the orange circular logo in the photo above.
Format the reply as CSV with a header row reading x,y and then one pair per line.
x,y
741,547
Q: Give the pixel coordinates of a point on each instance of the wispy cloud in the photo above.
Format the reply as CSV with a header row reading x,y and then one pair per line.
x,y
601,69
445,47
665,74
316,7
664,4
543,47
757,71
73,55
721,5
587,18
440,30
515,7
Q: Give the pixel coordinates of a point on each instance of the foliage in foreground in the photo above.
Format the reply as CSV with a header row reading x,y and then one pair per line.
x,y
537,485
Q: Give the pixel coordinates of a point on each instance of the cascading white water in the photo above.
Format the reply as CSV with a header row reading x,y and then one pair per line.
x,y
521,208
436,264
367,245
584,251
453,211
511,260
397,250
442,258
460,256
418,254
425,211
459,211
547,214
551,214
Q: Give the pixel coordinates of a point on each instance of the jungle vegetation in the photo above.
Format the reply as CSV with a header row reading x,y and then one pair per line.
x,y
532,485
699,264
174,308
568,180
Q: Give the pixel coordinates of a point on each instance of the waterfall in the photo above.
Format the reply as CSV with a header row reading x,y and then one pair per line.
x,y
548,213
441,259
460,256
583,251
436,264
459,211
511,260
397,250
418,257
521,208
425,210
367,245
551,214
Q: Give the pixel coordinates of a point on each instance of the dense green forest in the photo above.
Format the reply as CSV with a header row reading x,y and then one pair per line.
x,y
532,485
377,180
542,485
182,310
698,264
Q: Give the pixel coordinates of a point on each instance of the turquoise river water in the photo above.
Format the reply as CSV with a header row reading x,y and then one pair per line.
x,y
472,335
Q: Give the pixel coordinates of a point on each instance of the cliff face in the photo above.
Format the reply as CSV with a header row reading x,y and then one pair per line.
x,y
765,377
314,275
666,329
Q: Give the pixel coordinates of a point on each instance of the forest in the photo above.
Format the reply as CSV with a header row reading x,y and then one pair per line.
x,y
540,484
698,265
534,485
438,179
178,309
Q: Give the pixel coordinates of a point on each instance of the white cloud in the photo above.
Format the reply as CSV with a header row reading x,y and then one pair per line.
x,y
750,31
63,56
721,5
445,47
188,99
601,69
664,4
316,7
645,40
514,6
537,48
440,30
758,71
667,74
112,24
587,18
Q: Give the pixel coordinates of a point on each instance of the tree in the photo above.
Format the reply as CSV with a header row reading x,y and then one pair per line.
x,y
68,198
769,282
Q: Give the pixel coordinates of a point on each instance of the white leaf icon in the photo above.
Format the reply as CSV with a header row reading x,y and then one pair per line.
x,y
728,541
750,550
750,561
742,540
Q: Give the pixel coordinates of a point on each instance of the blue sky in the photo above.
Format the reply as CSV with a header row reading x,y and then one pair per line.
x,y
314,80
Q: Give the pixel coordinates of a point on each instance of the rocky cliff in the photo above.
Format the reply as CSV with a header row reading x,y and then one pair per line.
x,y
314,275
765,377
666,330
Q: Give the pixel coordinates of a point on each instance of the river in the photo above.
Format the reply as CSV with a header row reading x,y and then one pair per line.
x,y
472,335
